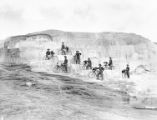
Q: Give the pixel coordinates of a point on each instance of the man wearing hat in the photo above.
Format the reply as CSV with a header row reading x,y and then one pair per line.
x,y
63,48
100,72
48,53
110,63
78,55
65,63
128,70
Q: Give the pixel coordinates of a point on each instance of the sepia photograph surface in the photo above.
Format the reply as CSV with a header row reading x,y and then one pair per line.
x,y
78,60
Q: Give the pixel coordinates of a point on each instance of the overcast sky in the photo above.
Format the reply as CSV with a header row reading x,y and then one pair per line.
x,y
24,16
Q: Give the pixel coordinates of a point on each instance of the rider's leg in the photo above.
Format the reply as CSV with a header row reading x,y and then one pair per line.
x,y
66,68
110,67
87,67
64,52
127,73
76,61
47,57
102,76
90,67
122,73
97,75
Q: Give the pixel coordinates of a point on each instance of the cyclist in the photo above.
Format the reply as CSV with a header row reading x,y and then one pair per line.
x,y
128,71
77,55
100,72
89,64
85,64
63,48
65,63
48,53
67,49
106,65
110,63
52,53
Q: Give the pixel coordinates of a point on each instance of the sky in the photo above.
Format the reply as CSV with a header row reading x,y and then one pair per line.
x,y
131,16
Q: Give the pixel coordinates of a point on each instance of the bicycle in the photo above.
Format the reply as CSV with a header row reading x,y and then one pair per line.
x,y
83,67
92,74
95,73
64,52
47,57
60,68
107,67
125,73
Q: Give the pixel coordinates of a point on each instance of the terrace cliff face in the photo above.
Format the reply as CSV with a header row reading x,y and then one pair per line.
x,y
126,46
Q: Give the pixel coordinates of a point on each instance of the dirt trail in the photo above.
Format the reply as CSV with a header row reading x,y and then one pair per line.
x,y
27,95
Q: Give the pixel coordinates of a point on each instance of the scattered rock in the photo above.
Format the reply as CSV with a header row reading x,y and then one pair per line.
x,y
29,84
141,69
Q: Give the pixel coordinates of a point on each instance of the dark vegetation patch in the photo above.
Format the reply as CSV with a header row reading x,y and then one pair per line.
x,y
63,78
12,67
71,86
12,108
48,88
78,90
13,77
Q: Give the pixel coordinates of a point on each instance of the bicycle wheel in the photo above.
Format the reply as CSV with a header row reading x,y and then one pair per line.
x,y
57,69
69,52
82,67
113,67
59,52
54,59
101,77
91,75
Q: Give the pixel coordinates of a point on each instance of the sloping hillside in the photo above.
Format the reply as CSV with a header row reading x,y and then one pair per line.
x,y
26,95
33,91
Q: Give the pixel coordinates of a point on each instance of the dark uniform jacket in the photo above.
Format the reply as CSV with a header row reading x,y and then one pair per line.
x,y
78,55
48,53
65,61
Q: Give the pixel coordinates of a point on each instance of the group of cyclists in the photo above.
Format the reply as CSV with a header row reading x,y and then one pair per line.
x,y
87,64
126,72
49,54
63,66
98,71
64,49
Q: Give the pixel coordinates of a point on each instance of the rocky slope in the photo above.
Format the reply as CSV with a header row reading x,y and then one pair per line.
x,y
45,96
27,95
